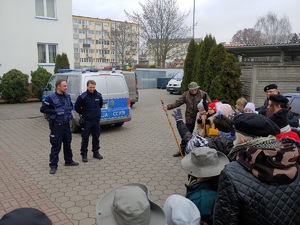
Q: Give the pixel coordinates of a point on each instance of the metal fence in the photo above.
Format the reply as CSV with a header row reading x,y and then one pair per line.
x,y
148,78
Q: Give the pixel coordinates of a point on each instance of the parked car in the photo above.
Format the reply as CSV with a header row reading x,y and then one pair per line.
x,y
112,86
174,85
132,83
294,100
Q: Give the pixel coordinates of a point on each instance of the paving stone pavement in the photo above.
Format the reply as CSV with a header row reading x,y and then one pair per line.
x,y
139,151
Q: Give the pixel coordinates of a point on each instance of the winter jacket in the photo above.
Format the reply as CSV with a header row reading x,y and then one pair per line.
x,y
191,102
89,105
244,199
58,107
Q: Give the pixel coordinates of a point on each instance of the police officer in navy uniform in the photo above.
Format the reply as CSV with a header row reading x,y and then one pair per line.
x,y
89,105
58,107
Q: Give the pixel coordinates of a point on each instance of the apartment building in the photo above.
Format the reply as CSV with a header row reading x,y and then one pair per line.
x,y
96,43
33,33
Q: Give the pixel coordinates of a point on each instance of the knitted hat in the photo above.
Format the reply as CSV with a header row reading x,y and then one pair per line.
x,y
257,125
212,105
200,105
251,106
181,211
224,109
270,86
280,118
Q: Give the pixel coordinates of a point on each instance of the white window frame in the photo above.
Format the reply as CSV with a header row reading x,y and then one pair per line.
x,y
47,53
45,11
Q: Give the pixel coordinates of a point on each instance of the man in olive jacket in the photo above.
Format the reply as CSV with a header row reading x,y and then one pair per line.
x,y
190,98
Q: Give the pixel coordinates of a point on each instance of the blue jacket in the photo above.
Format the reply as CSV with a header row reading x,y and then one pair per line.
x,y
89,105
58,107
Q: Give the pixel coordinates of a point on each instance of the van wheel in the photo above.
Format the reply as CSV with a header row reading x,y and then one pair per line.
x,y
74,127
119,124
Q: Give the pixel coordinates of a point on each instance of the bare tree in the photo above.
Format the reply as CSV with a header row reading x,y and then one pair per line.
x,y
125,39
247,36
273,29
161,25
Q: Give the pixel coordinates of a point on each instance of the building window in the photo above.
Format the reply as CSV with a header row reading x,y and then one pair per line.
x,y
47,53
45,8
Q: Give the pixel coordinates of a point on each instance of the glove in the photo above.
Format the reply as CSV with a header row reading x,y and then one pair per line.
x,y
207,121
199,121
177,114
213,132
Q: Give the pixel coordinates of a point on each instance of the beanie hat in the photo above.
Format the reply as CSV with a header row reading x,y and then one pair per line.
x,y
257,125
200,105
270,86
251,106
181,211
212,105
224,109
280,118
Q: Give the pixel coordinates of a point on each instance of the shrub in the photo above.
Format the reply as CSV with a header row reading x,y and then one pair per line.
x,y
14,86
39,79
152,66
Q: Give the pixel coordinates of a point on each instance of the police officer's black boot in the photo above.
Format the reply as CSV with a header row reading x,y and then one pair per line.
x,y
84,158
96,155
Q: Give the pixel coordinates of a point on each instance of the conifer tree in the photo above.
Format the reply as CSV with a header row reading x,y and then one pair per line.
x,y
65,61
208,42
213,66
227,85
189,65
61,62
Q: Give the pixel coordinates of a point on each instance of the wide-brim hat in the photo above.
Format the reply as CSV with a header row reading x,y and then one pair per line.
x,y
204,162
127,205
193,86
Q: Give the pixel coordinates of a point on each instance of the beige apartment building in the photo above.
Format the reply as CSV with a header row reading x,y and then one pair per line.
x,y
96,43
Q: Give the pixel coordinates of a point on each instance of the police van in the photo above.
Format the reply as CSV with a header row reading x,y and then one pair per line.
x,y
112,86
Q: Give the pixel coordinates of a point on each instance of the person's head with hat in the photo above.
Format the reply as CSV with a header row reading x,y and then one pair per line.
x,y
181,211
129,204
253,129
271,89
25,216
277,102
193,87
203,166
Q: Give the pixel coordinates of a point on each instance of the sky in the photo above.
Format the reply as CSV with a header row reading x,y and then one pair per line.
x,y
220,18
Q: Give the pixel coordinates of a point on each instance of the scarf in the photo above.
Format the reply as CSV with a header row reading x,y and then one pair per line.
x,y
259,142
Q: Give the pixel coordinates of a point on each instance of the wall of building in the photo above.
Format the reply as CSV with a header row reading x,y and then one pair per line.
x,y
21,31
256,77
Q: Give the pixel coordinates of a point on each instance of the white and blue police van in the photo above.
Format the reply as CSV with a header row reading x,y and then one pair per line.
x,y
112,86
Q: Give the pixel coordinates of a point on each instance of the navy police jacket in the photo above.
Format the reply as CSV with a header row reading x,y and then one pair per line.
x,y
89,105
58,107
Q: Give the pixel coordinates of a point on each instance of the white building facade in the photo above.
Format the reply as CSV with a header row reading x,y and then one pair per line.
x,y
33,32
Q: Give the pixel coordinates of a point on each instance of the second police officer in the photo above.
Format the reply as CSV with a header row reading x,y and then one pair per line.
x,y
89,105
